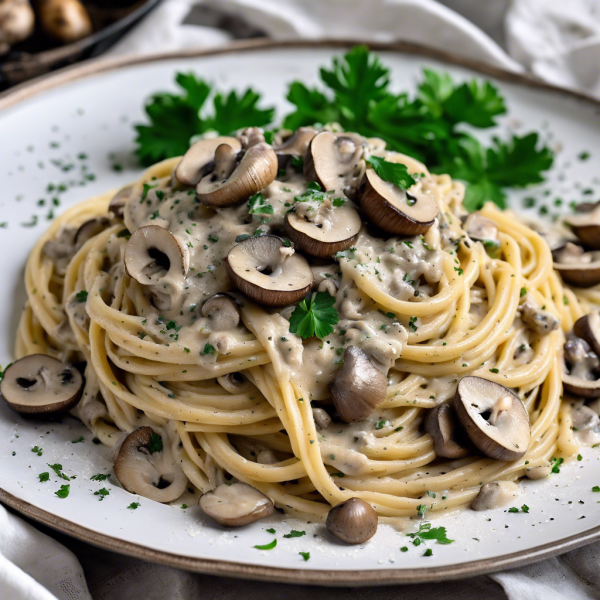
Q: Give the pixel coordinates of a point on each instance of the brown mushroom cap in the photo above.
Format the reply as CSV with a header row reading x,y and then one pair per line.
x,y
576,266
494,418
353,521
334,230
581,367
359,387
297,144
236,504
586,225
191,167
39,384
588,328
268,272
152,253
335,162
222,312
225,187
235,383
117,204
89,229
442,425
481,228
393,209
146,466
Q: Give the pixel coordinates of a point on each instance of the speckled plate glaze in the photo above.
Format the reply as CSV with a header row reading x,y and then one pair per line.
x,y
68,137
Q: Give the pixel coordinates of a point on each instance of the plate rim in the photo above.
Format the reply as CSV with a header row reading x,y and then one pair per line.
x,y
325,577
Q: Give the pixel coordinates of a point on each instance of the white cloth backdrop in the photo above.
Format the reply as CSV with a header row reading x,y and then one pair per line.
x,y
558,40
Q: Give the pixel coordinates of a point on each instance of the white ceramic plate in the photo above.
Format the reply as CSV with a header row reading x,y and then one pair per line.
x,y
46,128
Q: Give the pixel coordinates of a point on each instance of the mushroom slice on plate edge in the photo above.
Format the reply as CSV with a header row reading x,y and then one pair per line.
x,y
494,418
146,466
269,272
236,504
39,384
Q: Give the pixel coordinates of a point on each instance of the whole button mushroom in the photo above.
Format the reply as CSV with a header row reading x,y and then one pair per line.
x,y
332,230
494,418
236,504
495,495
352,521
393,209
231,183
200,157
41,385
442,425
268,272
359,386
146,466
152,253
17,22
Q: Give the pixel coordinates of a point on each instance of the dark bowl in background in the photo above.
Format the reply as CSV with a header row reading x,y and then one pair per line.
x,y
37,55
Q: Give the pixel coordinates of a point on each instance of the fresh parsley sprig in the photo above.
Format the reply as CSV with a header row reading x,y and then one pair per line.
x,y
257,205
427,533
395,173
315,318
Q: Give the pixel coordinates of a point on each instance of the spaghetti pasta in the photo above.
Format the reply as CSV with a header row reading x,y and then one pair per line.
x,y
427,309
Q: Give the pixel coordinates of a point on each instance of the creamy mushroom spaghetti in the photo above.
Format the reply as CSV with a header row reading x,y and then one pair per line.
x,y
298,317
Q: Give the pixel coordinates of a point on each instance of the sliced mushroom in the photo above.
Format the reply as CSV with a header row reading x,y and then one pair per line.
x,y
321,418
196,160
494,418
576,266
152,253
335,162
236,504
297,144
580,369
268,272
330,230
229,185
393,209
442,425
353,521
39,384
588,328
117,204
586,225
584,418
146,466
222,312
90,229
538,472
495,495
484,230
235,383
540,321
250,137
358,388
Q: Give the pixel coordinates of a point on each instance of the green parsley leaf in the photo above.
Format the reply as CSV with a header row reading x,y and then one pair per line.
x,y
102,493
555,464
513,509
45,476
427,533
63,492
208,349
525,508
81,296
36,449
155,444
293,534
428,552
304,555
316,318
258,206
100,477
396,173
134,505
57,468
268,546
78,440
270,530
596,488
